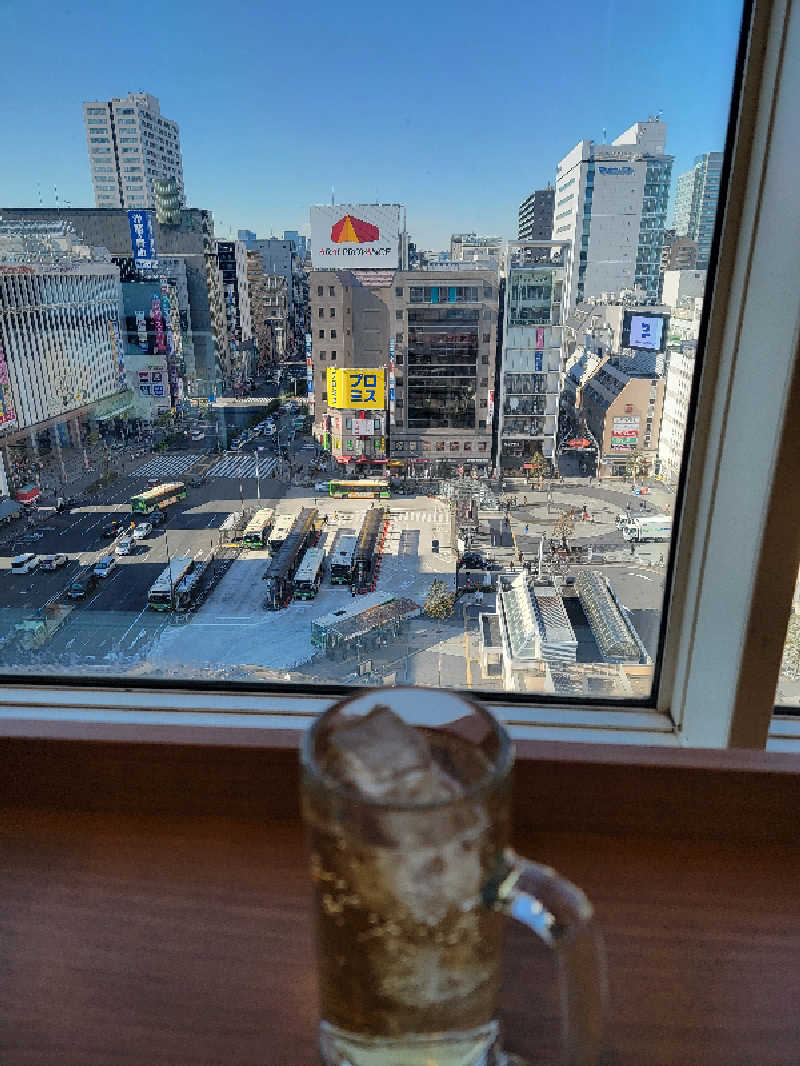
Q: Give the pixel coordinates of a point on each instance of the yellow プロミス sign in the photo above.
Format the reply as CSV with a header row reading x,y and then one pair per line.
x,y
353,389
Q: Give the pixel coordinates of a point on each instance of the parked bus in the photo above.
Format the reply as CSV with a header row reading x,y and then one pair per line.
x,y
188,588
230,531
366,489
368,548
280,573
342,555
161,596
255,534
159,497
308,578
280,531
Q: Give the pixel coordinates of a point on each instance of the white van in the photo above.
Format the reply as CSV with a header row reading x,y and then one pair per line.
x,y
23,564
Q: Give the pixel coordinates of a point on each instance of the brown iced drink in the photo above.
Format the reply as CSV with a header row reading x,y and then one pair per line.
x,y
406,825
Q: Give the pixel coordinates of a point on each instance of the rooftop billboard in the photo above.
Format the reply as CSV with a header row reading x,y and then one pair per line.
x,y
356,236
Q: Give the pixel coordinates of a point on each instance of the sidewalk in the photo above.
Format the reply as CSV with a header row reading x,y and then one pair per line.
x,y
78,477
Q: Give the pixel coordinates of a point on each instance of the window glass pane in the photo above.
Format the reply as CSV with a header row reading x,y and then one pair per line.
x,y
166,400
787,696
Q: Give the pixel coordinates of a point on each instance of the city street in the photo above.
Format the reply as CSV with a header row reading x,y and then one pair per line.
x,y
232,635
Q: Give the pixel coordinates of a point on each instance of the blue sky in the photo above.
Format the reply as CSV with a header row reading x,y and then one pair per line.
x,y
457,110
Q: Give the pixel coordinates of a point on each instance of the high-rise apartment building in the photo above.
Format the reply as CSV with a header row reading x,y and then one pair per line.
x,y
696,203
611,203
130,146
532,353
536,215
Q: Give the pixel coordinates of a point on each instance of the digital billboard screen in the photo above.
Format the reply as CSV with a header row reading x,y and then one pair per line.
x,y
647,332
356,236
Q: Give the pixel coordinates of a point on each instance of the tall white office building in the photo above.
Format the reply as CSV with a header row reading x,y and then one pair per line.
x,y
130,146
611,203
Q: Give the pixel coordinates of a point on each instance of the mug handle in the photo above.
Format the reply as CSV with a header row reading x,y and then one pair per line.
x,y
560,915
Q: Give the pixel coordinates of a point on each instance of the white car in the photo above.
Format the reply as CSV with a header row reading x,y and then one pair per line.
x,y
124,546
105,565
25,563
53,562
144,529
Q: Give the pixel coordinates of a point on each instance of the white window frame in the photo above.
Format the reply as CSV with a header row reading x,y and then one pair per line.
x,y
729,606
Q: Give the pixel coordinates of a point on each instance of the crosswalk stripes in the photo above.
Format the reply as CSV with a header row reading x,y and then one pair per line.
x,y
419,516
234,466
166,465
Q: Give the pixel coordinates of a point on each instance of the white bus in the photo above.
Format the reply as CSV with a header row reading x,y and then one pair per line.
x,y
342,557
255,534
161,596
281,530
231,526
308,578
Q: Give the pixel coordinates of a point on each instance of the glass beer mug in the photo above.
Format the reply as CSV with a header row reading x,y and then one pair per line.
x,y
406,797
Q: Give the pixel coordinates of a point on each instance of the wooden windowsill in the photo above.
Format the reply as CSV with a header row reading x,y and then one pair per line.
x,y
154,903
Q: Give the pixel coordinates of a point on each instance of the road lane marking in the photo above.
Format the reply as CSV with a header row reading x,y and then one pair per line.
x,y
130,627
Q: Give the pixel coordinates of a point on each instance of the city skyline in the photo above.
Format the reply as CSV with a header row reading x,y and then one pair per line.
x,y
368,127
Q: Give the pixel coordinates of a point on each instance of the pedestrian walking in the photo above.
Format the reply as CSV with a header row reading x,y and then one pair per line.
x,y
526,527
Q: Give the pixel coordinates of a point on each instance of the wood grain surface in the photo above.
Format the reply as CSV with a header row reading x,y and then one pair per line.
x,y
140,929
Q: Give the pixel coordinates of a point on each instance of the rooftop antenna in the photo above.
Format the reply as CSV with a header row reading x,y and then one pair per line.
x,y
333,198
604,134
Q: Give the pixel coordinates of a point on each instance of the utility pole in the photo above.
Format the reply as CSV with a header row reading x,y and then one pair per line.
x,y
169,567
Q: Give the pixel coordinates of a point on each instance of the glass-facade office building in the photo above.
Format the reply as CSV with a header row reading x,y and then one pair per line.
x,y
696,204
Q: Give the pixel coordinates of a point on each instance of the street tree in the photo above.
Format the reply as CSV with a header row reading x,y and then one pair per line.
x,y
564,527
638,465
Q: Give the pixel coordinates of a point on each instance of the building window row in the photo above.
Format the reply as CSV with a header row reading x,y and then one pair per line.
x,y
435,294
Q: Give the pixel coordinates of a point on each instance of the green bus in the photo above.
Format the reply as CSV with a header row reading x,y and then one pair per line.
x,y
162,594
366,489
158,498
255,534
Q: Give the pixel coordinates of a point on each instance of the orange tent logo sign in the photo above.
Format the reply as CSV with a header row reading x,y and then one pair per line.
x,y
352,230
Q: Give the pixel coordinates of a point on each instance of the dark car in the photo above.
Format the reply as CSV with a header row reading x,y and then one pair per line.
x,y
110,529
158,518
82,586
